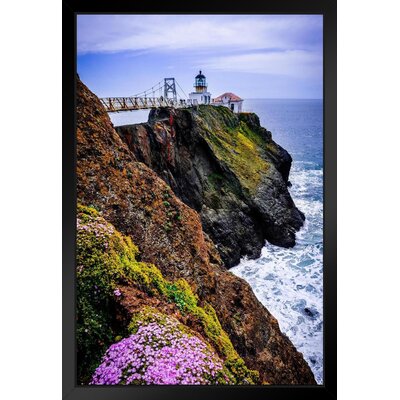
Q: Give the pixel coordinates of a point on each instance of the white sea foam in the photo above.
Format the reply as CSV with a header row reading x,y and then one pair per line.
x,y
289,282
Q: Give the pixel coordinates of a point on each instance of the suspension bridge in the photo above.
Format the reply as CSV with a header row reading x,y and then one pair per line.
x,y
163,94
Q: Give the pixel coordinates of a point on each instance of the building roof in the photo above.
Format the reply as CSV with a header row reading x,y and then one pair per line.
x,y
229,95
200,75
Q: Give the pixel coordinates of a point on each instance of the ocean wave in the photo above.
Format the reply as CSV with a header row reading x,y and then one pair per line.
x,y
289,282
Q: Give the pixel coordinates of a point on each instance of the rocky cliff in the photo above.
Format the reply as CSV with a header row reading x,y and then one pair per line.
x,y
140,205
227,168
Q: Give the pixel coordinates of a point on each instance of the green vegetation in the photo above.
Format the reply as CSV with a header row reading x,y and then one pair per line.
x,y
106,261
234,143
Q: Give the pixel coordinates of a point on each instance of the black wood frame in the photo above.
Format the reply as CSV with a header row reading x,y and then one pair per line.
x,y
71,390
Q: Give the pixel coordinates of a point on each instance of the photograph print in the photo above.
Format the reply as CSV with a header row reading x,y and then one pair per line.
x,y
199,172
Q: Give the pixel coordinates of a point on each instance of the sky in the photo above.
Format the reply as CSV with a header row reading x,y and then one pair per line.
x,y
253,56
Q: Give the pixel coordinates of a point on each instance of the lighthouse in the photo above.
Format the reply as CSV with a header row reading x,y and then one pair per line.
x,y
200,95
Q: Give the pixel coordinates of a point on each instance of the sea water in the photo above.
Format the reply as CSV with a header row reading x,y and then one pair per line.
x,y
289,282
129,117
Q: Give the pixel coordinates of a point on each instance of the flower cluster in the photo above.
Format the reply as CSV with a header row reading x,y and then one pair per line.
x,y
96,227
160,354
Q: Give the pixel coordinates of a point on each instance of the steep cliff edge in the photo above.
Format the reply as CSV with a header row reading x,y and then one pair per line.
x,y
169,234
227,168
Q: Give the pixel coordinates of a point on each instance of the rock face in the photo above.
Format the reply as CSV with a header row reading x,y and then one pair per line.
x,y
227,168
169,234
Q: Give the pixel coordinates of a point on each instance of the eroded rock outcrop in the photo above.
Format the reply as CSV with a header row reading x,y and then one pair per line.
x,y
226,167
169,234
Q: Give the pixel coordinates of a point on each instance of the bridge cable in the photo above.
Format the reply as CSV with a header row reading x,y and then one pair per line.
x,y
144,92
186,96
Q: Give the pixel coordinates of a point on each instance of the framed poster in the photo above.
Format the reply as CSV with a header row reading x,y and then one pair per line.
x,y
199,188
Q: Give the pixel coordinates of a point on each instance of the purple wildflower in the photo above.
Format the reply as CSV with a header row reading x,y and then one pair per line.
x,y
159,354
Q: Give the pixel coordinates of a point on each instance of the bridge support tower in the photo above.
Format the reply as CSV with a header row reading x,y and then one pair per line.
x,y
170,89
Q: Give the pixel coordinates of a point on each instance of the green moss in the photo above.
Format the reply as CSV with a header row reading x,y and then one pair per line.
x,y
243,375
219,338
252,135
181,294
105,260
234,143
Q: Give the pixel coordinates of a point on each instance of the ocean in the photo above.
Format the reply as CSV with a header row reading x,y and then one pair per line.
x,y
129,117
289,282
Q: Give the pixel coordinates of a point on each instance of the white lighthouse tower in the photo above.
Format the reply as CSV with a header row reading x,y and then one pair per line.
x,y
200,95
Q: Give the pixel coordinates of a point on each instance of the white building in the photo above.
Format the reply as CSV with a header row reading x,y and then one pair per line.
x,y
229,100
201,95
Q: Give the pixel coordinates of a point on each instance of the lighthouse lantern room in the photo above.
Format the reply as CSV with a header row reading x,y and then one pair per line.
x,y
201,95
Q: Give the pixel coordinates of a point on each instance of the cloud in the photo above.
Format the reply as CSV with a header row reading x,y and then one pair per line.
x,y
194,34
283,48
294,63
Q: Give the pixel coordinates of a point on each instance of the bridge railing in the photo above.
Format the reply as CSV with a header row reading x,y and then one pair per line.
x,y
115,104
